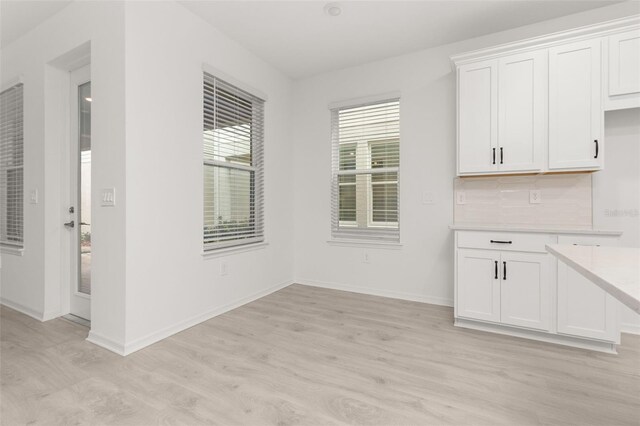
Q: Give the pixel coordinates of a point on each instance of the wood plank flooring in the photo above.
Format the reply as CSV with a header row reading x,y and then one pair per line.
x,y
311,356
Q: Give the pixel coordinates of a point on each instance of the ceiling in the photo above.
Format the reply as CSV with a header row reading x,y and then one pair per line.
x,y
301,40
19,17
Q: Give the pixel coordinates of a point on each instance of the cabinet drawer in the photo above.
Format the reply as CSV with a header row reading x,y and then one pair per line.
x,y
505,241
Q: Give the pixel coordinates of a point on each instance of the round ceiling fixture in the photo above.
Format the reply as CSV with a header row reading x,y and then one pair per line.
x,y
332,9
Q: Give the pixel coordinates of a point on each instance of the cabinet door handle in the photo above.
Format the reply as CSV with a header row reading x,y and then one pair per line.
x,y
596,142
504,271
494,156
495,270
501,156
501,242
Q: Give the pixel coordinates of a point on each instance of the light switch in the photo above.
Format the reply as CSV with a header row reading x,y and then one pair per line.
x,y
535,196
461,197
33,196
108,197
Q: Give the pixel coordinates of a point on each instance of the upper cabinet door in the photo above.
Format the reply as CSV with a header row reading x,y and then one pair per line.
x,y
575,106
477,117
522,108
624,63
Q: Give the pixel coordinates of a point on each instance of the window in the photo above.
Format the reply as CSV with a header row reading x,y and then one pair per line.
x,y
366,167
233,165
11,167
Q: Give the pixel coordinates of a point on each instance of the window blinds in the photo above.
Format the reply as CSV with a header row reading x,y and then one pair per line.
x,y
233,137
11,167
366,170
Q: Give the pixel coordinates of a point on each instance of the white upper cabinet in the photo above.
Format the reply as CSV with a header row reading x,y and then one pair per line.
x,y
522,111
477,117
623,69
537,105
575,108
502,114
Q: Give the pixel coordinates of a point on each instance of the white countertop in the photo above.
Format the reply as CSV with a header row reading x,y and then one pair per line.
x,y
614,269
533,228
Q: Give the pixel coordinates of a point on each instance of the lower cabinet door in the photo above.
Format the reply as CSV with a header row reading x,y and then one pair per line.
x,y
584,309
525,290
478,288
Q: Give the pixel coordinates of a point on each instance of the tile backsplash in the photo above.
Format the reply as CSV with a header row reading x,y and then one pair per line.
x,y
565,201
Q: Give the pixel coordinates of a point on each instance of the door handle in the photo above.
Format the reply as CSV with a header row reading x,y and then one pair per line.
x,y
596,142
495,270
501,156
504,271
494,156
71,224
87,224
501,242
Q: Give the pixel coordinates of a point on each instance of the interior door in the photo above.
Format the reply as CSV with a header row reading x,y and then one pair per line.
x,y
79,224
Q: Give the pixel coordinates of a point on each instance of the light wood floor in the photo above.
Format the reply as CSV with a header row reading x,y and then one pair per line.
x,y
306,355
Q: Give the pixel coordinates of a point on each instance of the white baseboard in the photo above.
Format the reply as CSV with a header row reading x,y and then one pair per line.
x,y
630,328
49,315
106,343
22,309
156,336
378,292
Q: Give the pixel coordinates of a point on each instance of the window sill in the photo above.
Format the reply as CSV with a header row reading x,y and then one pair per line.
x,y
212,254
16,251
365,244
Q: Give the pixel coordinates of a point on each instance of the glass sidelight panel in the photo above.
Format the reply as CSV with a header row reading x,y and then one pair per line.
x,y
84,187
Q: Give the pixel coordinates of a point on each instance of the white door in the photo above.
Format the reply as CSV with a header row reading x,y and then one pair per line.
x,y
525,290
584,309
522,111
575,106
478,285
79,224
477,117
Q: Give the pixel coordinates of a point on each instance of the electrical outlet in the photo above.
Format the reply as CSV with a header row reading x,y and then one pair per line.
x,y
33,196
461,197
224,268
429,198
535,196
366,258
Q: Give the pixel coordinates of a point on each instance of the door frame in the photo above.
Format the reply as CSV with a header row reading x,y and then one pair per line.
x,y
79,303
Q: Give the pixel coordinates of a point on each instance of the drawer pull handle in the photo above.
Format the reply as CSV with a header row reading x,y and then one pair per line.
x,y
496,270
504,271
501,242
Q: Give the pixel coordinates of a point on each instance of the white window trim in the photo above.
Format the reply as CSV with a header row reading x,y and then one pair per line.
x,y
228,251
9,247
391,226
254,242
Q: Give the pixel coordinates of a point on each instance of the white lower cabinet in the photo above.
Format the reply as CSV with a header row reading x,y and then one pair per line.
x,y
507,283
478,285
524,290
584,309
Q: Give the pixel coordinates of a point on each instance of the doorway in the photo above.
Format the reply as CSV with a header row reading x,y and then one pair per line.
x,y
79,224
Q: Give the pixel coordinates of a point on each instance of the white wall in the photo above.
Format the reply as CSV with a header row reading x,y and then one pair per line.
x,y
169,284
36,283
422,269
616,189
